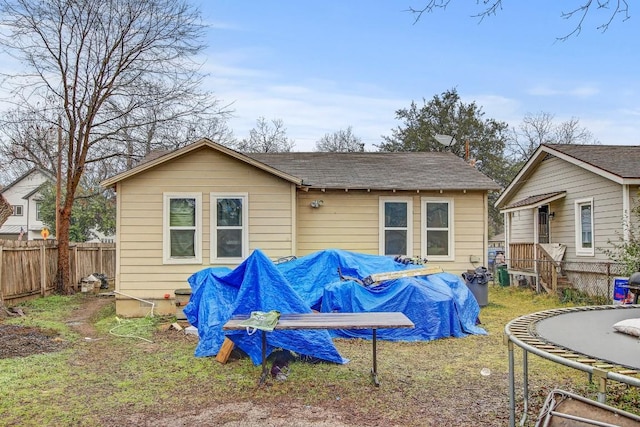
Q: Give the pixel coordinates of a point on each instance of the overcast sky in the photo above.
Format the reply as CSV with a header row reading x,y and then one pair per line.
x,y
322,66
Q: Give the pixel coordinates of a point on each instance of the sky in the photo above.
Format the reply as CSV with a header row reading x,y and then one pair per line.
x,y
322,66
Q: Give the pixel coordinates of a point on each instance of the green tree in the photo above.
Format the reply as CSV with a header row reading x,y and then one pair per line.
x,y
93,63
93,210
475,138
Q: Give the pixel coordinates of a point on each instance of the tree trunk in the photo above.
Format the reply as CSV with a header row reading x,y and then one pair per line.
x,y
63,276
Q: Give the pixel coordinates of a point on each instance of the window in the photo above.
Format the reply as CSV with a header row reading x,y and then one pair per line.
x,y
17,210
584,227
437,224
182,221
229,227
395,226
38,207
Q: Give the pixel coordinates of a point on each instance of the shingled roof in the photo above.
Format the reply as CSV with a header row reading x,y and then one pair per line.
x,y
620,160
379,170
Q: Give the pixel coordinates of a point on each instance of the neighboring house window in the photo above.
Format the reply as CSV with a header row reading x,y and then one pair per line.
x,y
229,227
395,226
584,227
17,210
182,221
38,206
437,225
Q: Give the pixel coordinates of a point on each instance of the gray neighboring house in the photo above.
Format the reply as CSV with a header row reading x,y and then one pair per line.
x,y
564,208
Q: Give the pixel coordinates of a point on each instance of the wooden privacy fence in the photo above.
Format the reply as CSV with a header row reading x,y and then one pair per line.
x,y
28,269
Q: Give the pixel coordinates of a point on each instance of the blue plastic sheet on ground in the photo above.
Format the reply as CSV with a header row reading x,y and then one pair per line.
x,y
440,305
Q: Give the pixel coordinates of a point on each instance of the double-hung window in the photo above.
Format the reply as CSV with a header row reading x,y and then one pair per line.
x,y
17,210
395,226
182,228
584,227
229,227
437,227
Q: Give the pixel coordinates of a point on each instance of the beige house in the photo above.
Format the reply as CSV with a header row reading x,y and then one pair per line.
x,y
564,207
206,205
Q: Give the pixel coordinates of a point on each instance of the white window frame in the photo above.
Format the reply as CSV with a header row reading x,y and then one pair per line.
x,y
213,244
18,210
409,228
166,230
38,209
580,249
425,233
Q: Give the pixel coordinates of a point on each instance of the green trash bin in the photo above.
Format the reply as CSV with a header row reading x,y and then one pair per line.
x,y
503,276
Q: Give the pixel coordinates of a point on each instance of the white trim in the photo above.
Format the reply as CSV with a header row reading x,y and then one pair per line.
x,y
213,247
626,213
423,229
381,225
580,251
166,240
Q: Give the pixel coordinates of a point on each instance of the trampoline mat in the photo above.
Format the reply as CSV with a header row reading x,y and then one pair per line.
x,y
591,333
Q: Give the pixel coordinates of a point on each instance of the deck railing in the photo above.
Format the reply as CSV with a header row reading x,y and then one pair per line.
x,y
593,278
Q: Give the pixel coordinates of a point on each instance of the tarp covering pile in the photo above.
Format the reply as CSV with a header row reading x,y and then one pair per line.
x,y
440,305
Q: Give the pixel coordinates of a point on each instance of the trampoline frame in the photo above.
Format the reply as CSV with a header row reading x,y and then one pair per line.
x,y
521,332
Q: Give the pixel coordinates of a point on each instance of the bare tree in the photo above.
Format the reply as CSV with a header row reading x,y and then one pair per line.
x,y
267,138
541,129
342,140
95,62
5,210
611,9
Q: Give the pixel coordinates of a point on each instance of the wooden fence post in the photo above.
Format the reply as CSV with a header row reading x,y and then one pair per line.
x,y
100,269
43,270
75,256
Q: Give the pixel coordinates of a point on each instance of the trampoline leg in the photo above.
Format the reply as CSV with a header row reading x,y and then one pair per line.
x,y
525,385
601,375
512,386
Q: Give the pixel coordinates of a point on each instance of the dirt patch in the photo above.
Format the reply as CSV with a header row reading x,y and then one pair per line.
x,y
22,341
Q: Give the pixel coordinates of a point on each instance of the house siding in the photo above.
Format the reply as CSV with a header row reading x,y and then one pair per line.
x,y
554,174
350,221
140,269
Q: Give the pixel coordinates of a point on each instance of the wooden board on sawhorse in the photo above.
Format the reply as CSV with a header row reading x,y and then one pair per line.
x,y
380,277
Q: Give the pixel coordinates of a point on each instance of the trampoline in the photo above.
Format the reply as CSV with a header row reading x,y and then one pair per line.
x,y
580,337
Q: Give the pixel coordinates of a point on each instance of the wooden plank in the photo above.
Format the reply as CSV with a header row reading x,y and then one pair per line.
x,y
379,277
225,351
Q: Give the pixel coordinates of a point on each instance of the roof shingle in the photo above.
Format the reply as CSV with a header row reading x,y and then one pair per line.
x,y
379,170
620,160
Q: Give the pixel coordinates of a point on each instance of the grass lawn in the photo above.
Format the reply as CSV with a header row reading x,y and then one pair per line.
x,y
139,372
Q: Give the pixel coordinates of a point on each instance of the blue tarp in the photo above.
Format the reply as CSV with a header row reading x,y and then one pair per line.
x,y
440,304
